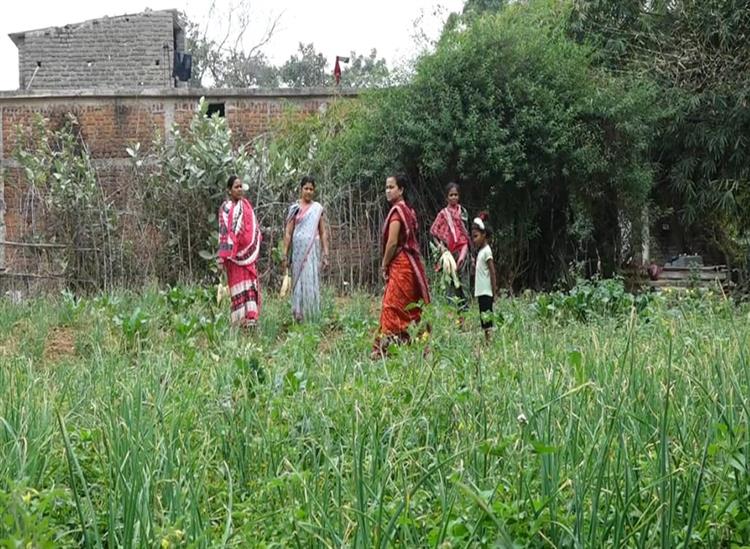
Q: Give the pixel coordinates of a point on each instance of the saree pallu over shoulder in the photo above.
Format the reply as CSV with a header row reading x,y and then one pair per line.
x,y
450,228
407,282
305,259
239,233
408,244
239,247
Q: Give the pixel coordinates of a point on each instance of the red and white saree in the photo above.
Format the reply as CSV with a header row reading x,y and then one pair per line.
x,y
239,247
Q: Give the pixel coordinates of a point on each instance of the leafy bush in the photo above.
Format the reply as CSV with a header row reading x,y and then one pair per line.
x,y
74,212
183,181
591,299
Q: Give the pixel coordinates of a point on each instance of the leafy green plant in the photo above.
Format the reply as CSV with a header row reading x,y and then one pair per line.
x,y
76,213
28,517
187,173
590,299
134,326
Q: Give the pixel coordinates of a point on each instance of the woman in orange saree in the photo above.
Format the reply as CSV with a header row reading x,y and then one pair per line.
x,y
239,245
406,283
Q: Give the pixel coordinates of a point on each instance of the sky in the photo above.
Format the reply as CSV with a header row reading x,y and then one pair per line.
x,y
398,29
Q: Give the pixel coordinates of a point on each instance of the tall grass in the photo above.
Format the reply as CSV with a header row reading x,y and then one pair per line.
x,y
157,424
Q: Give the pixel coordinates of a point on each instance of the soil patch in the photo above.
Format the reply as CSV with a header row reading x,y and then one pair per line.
x,y
60,344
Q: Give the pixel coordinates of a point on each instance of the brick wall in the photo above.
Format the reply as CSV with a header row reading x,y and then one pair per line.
x,y
112,121
128,50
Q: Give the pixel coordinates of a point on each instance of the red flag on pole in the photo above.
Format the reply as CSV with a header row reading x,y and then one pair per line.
x,y
337,68
337,71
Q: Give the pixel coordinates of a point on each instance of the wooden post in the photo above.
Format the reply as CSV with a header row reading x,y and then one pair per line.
x,y
2,197
645,237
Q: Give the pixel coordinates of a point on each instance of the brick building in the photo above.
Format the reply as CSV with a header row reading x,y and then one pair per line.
x,y
129,50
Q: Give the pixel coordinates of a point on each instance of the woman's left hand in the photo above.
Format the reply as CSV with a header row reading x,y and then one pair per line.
x,y
325,261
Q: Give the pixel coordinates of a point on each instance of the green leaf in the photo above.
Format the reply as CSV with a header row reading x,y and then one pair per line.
x,y
542,448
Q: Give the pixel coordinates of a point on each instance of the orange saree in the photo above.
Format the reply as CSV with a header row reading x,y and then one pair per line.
x,y
407,283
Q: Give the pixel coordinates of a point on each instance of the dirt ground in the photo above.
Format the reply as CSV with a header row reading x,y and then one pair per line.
x,y
60,344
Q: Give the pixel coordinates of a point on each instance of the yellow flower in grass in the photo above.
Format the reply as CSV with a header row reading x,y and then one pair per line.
x,y
26,498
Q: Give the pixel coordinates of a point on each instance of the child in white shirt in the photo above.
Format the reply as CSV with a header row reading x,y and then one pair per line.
x,y
485,280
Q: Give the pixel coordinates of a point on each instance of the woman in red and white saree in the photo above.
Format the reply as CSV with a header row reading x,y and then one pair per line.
x,y
451,231
402,268
239,246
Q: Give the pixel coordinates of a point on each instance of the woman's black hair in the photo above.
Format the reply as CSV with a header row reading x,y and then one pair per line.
x,y
450,186
307,179
401,181
231,180
485,217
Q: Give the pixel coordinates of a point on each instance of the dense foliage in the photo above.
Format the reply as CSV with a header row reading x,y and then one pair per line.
x,y
698,53
578,125
510,106
183,181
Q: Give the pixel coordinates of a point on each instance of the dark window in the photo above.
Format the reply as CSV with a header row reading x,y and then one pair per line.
x,y
39,64
215,108
157,62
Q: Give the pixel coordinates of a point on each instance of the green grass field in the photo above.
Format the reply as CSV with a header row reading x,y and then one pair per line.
x,y
144,421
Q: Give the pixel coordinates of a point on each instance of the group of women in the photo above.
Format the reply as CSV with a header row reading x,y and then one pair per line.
x,y
305,255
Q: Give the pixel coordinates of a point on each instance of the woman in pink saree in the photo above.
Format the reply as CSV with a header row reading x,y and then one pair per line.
x,y
239,246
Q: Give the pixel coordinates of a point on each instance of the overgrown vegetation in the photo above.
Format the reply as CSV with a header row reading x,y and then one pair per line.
x,y
183,181
145,420
65,207
553,146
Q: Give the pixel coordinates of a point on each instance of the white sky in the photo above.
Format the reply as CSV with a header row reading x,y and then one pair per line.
x,y
336,27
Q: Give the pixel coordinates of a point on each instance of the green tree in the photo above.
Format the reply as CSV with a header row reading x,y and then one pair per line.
x,y
475,8
306,68
240,71
518,112
365,71
699,55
